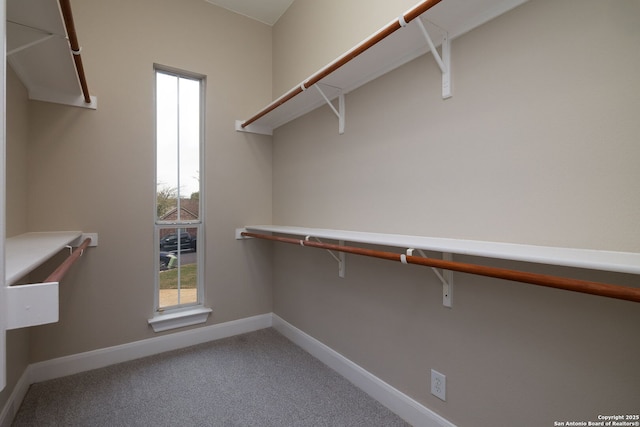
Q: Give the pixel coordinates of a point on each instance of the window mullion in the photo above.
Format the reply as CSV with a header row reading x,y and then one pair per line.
x,y
178,125
179,220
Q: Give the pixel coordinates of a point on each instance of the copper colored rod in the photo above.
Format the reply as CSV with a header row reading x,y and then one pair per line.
x,y
391,28
363,46
275,104
576,285
62,269
65,6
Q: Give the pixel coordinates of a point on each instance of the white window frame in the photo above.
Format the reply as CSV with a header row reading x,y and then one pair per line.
x,y
191,313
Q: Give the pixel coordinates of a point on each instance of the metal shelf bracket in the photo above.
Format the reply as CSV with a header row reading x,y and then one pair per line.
x,y
339,112
444,61
341,257
446,277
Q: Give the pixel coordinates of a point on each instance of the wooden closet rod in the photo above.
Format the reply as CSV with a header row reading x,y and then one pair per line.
x,y
62,269
576,285
363,46
65,6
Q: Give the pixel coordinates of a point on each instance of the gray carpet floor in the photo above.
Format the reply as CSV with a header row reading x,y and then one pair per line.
x,y
255,379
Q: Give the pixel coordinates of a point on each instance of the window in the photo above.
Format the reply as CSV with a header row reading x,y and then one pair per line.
x,y
179,203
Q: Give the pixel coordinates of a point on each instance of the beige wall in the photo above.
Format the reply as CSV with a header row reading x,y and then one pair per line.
x,y
17,143
94,170
17,347
539,145
301,46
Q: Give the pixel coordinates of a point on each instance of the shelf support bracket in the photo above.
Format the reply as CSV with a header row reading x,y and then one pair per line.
x,y
444,61
446,277
339,112
341,257
42,39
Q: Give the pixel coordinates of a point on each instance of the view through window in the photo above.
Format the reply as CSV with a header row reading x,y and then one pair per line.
x,y
178,221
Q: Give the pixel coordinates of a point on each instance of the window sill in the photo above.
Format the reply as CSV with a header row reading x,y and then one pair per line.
x,y
179,319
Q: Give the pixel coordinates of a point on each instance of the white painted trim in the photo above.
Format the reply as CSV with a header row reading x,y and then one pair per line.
x,y
260,129
404,406
46,95
622,262
398,402
69,365
179,319
31,305
70,100
359,72
16,397
27,251
3,186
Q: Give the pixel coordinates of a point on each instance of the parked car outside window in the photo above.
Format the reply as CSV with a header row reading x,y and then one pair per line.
x,y
169,243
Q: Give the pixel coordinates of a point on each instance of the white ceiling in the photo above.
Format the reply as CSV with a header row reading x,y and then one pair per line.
x,y
267,11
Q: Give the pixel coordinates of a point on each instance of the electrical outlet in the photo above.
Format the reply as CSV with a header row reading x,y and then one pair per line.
x,y
438,385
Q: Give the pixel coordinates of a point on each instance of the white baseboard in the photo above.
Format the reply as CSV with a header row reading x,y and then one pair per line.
x,y
12,405
398,402
81,362
401,404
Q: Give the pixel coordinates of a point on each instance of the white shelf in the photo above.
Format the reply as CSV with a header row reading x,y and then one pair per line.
x,y
39,52
27,251
623,262
456,17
